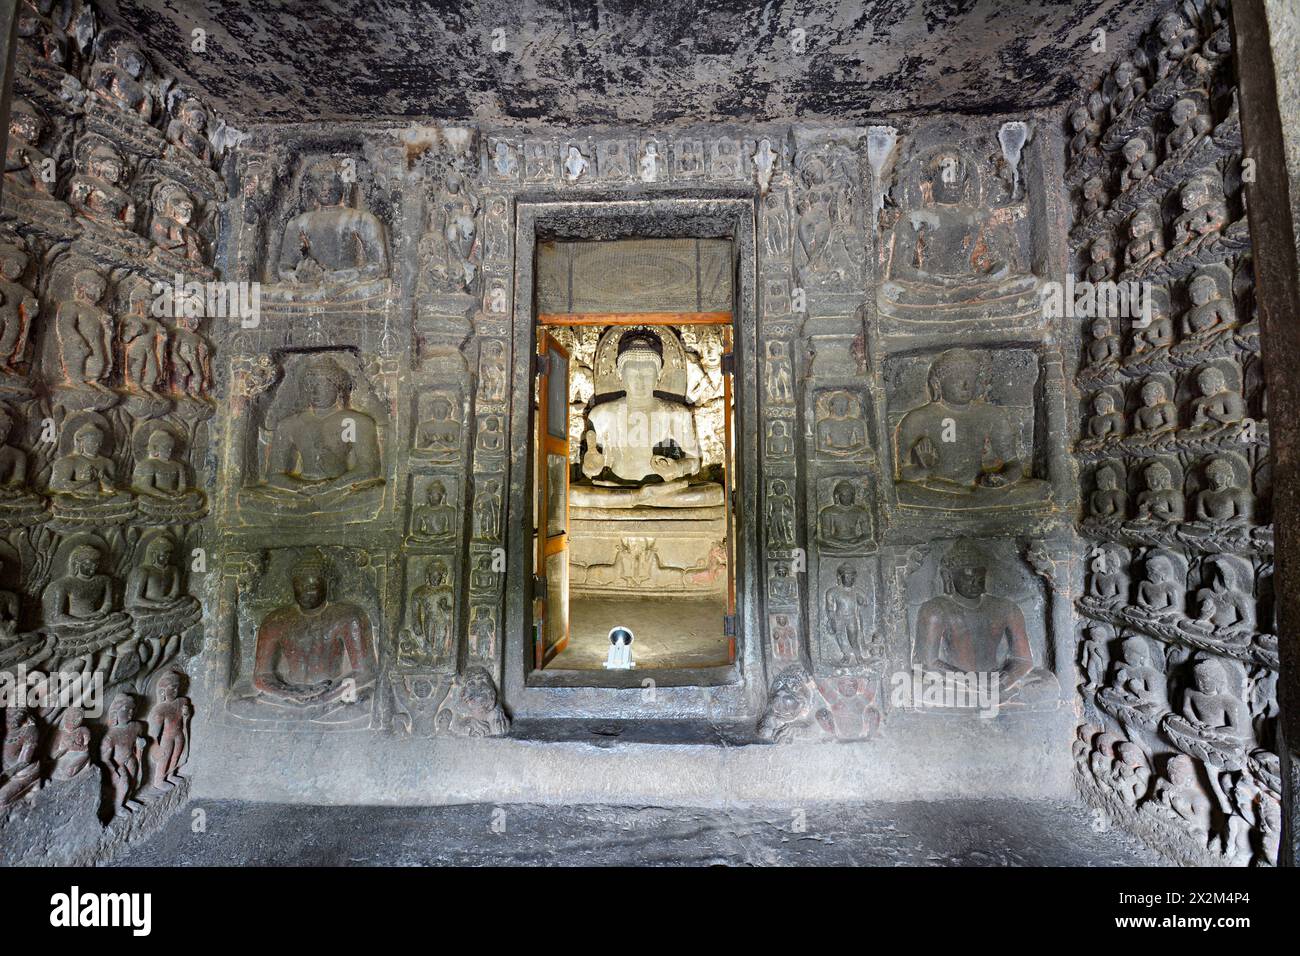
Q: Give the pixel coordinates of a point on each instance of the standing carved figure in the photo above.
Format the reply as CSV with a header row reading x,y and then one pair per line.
x,y
122,752
169,730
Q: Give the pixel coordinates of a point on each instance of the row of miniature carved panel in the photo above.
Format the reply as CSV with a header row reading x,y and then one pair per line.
x,y
1230,595
75,69
1209,326
82,462
141,759
79,343
646,159
1179,59
1218,398
1172,810
112,601
1211,494
1153,243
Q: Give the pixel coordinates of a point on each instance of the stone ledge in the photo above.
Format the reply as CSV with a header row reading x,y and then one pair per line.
x,y
1024,755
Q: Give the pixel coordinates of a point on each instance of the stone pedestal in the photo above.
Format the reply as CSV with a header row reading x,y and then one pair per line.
x,y
647,551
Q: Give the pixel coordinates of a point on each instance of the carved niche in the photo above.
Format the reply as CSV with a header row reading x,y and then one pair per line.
x,y
310,638
955,236
977,616
317,442
964,430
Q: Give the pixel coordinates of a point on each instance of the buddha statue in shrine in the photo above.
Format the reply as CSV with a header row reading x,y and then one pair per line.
x,y
642,449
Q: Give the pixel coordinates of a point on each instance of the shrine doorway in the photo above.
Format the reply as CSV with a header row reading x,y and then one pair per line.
x,y
634,468
673,275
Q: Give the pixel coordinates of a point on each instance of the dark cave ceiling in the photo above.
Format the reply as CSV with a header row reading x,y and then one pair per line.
x,y
593,62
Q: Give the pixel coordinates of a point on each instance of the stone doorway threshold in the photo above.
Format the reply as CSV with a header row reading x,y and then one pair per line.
x,y
915,833
671,633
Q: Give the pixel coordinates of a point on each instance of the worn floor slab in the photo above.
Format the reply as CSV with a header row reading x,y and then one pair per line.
x,y
670,632
942,833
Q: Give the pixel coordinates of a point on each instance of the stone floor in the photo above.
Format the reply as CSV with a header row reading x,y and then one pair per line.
x,y
944,833
669,632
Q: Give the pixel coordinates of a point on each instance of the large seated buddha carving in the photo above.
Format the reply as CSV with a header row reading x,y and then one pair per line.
x,y
960,450
321,445
641,448
966,630
948,254
315,655
644,517
330,242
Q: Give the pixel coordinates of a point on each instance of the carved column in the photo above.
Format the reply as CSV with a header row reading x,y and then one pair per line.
x,y
1269,128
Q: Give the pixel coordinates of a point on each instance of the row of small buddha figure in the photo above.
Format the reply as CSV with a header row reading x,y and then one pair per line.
x,y
1213,718
1176,51
1210,317
1221,591
1224,498
1188,120
118,75
85,476
100,188
1218,412
1202,214
89,344
141,759
1249,834
93,619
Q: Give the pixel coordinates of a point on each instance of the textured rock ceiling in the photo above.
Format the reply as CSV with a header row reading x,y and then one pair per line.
x,y
632,61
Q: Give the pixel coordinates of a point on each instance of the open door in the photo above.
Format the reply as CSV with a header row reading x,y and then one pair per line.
x,y
729,485
551,567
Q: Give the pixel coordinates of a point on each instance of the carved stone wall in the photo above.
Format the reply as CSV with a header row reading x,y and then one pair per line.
x,y
900,396
111,201
1177,646
274,424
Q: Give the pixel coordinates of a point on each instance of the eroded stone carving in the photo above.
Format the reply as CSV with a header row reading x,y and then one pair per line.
x,y
966,630
471,708
122,752
315,656
169,730
848,618
322,450
958,448
330,241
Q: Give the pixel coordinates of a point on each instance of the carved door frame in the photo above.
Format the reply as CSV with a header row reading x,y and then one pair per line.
x,y
736,692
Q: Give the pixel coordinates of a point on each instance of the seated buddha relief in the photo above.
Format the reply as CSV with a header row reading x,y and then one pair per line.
x,y
314,656
321,441
966,629
641,449
959,449
330,241
948,250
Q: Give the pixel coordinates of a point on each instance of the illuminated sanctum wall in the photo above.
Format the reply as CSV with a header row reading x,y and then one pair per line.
x,y
989,545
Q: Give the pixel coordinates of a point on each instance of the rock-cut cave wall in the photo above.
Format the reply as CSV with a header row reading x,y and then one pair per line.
x,y
1178,648
111,195
272,387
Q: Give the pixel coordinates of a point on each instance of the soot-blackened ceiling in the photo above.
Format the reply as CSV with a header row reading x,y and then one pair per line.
x,y
633,61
